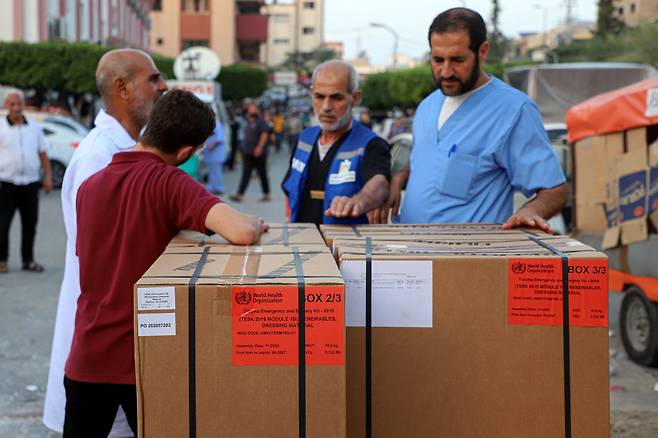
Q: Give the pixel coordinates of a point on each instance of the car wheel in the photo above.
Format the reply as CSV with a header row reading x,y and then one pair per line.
x,y
57,170
638,322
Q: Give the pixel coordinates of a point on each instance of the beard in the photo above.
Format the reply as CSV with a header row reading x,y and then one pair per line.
x,y
339,124
464,86
141,108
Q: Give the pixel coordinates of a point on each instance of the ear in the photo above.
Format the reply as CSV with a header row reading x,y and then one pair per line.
x,y
483,51
184,152
356,97
123,88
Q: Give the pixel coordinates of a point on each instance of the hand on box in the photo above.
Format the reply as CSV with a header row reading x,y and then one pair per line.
x,y
527,217
345,206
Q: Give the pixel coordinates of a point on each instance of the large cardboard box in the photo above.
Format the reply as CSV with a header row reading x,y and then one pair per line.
x,y
217,344
278,234
472,343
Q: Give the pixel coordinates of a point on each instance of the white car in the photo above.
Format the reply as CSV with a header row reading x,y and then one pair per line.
x,y
63,142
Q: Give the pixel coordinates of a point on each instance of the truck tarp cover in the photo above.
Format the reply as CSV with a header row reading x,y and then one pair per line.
x,y
619,110
557,87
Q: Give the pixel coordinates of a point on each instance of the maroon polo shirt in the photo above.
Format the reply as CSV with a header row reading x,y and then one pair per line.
x,y
126,214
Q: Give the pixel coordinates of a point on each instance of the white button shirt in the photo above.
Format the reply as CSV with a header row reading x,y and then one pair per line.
x,y
93,154
20,146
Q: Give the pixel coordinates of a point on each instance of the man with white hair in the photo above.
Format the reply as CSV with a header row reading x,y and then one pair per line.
x,y
22,153
339,170
129,84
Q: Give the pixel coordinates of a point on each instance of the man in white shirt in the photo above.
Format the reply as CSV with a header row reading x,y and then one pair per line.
x,y
129,84
23,152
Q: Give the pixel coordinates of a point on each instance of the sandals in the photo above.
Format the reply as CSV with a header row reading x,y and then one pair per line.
x,y
3,268
32,267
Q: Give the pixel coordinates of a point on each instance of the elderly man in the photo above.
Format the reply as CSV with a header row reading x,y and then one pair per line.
x,y
476,141
129,83
22,152
339,170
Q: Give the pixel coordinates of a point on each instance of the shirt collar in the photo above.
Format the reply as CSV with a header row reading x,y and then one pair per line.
x,y
114,130
12,123
132,156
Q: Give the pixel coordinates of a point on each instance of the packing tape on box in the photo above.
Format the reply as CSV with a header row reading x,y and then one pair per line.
x,y
301,348
242,264
192,341
566,354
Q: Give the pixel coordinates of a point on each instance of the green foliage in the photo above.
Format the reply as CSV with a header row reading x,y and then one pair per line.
x,y
406,88
607,22
638,44
240,81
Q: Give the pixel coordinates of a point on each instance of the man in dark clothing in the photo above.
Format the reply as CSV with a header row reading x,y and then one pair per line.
x,y
254,153
116,246
340,170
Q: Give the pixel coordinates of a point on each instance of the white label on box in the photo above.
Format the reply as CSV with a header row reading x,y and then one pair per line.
x,y
156,324
652,103
156,298
401,293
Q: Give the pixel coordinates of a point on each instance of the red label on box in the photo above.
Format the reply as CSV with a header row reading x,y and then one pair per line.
x,y
265,325
535,292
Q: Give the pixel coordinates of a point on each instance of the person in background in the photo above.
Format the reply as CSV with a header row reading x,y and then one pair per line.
x,y
254,153
235,115
476,141
23,152
397,128
365,119
129,83
339,171
278,128
100,369
214,156
295,127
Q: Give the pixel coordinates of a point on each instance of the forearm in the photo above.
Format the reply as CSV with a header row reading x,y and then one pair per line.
x,y
232,225
45,164
548,202
373,194
262,140
399,179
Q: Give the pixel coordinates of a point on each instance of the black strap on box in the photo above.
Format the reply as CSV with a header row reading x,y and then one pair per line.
x,y
301,330
566,354
356,231
284,231
368,337
191,314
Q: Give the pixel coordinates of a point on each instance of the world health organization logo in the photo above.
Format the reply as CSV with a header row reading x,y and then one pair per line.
x,y
243,298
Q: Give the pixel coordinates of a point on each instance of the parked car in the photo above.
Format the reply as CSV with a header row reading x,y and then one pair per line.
x,y
63,141
67,122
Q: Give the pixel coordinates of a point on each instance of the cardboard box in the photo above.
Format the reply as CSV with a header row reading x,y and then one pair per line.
x,y
278,234
234,370
471,344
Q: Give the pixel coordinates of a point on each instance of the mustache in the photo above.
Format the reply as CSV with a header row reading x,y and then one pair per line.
x,y
451,78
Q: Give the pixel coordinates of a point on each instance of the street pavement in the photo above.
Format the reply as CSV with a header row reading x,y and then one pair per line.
x,y
28,303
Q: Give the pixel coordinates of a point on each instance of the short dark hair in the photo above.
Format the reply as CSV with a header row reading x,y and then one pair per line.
x,y
460,19
178,119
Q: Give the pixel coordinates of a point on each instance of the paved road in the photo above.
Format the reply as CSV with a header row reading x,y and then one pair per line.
x,y
28,303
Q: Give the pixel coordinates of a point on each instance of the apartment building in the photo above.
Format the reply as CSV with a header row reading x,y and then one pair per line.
x,y
634,12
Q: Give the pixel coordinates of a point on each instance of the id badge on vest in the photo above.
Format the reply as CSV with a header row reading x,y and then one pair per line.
x,y
344,175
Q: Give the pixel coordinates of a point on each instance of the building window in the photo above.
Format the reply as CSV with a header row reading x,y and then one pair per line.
x,y
621,10
632,8
194,43
280,18
194,6
309,5
308,30
281,41
159,41
157,5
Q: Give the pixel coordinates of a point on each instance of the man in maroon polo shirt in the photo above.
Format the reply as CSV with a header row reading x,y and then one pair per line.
x,y
127,213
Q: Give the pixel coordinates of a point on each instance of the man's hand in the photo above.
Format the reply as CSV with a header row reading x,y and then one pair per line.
x,y
258,152
47,183
345,206
392,203
527,217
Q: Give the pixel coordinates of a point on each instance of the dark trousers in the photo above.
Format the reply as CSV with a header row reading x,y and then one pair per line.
x,y
249,162
92,407
25,199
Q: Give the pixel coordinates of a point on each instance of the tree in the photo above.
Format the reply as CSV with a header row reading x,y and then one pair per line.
x,y
498,44
607,22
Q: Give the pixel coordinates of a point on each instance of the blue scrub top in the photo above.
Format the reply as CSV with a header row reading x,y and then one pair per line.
x,y
218,154
493,144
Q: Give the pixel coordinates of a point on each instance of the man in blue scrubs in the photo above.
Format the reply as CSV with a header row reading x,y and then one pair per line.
x,y
476,141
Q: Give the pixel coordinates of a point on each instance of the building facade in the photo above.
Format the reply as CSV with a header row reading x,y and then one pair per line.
x,y
120,23
634,12
234,29
294,27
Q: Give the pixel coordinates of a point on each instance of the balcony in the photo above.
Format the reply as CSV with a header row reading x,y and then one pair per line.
x,y
195,27
251,27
